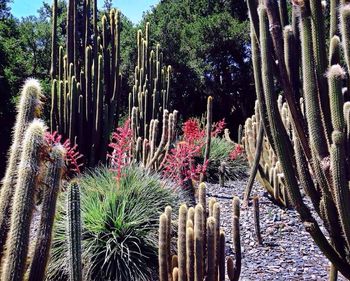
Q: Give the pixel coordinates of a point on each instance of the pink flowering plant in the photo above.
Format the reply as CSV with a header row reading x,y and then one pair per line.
x,y
73,157
184,161
121,146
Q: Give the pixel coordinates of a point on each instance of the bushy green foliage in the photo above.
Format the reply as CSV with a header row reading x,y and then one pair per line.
x,y
220,151
120,224
207,44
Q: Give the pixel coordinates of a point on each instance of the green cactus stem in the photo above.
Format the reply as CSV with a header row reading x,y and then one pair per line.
x,y
199,238
211,248
257,219
234,269
168,212
222,256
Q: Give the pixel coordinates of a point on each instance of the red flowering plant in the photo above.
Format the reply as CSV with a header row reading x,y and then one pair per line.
x,y
220,149
73,157
236,152
181,164
122,149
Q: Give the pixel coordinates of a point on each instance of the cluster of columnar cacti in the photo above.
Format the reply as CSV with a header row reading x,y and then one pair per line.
x,y
311,147
200,253
270,173
32,162
153,126
151,89
153,151
86,78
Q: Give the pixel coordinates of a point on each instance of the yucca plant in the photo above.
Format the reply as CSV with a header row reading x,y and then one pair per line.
x,y
119,225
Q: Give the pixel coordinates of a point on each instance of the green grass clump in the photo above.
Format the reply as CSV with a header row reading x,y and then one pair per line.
x,y
119,225
220,150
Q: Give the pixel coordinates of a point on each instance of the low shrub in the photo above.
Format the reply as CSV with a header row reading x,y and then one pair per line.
x,y
120,224
232,154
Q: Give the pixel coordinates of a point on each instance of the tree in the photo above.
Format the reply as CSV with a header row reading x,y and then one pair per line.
x,y
5,9
207,44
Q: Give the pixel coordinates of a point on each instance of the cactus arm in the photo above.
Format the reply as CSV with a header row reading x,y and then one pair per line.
x,y
190,253
199,243
234,269
182,242
276,33
254,168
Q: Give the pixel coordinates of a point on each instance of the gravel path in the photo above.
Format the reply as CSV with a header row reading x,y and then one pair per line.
x,y
287,253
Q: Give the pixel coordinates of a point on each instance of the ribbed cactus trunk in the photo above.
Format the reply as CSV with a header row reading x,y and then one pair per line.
x,y
74,233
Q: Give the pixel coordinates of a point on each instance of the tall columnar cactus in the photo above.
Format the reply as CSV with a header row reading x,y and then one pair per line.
x,y
182,243
88,79
318,164
234,270
149,103
163,248
208,133
52,181
29,107
74,232
23,203
194,260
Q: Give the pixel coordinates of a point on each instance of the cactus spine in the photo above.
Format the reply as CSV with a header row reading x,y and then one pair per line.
x,y
74,232
24,202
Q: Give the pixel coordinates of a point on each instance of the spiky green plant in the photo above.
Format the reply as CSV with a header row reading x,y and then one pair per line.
x,y
119,225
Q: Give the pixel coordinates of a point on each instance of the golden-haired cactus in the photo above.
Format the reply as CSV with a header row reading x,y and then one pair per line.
x,y
28,108
23,203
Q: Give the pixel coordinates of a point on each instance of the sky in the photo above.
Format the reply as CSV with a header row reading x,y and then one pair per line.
x,y
133,9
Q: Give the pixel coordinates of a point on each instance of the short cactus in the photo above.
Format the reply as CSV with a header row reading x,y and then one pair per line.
x,y
201,249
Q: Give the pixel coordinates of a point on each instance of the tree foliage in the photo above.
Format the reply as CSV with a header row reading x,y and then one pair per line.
x,y
207,44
